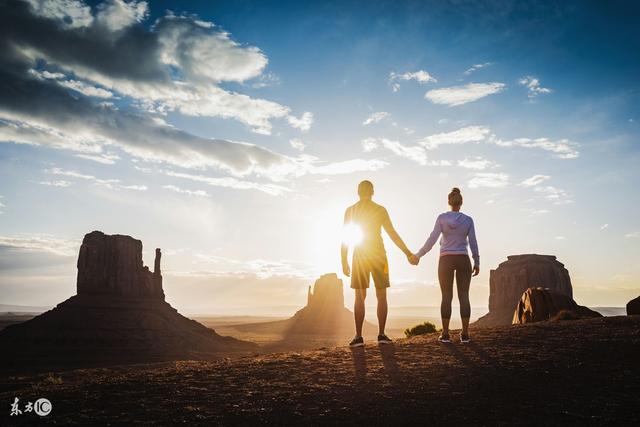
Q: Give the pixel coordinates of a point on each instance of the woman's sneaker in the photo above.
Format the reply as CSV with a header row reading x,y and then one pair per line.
x,y
357,342
383,339
464,338
444,338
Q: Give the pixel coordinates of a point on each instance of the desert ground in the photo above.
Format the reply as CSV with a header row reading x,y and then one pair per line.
x,y
580,372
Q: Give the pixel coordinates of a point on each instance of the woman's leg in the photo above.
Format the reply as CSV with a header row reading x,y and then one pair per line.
x,y
463,281
445,277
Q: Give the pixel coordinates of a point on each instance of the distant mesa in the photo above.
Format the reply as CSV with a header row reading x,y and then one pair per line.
x,y
323,321
633,307
118,315
513,277
540,304
325,313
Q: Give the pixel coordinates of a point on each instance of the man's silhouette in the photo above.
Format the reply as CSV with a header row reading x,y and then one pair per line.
x,y
370,258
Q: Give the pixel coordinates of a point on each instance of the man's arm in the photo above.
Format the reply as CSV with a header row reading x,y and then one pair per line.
x,y
393,234
344,248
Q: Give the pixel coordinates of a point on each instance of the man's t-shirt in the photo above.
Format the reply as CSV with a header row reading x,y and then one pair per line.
x,y
370,217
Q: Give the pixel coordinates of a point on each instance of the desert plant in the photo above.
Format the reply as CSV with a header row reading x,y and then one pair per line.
x,y
421,329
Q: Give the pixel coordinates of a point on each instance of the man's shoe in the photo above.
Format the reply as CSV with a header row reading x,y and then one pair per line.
x,y
383,339
444,338
357,342
464,338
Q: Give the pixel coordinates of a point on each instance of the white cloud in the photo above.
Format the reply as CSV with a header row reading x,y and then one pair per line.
x,y
560,238
85,89
69,13
175,65
2,205
534,180
478,163
105,159
562,148
57,183
117,14
78,86
135,187
476,67
298,144
420,76
633,235
349,166
375,118
459,95
604,226
539,212
303,123
261,268
414,153
554,194
230,182
460,136
266,80
533,86
113,184
41,243
176,189
489,179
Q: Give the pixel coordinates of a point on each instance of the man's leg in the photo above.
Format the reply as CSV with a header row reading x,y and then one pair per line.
x,y
358,310
381,293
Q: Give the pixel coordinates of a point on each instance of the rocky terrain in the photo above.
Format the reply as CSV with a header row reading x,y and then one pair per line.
x,y
580,372
513,277
118,315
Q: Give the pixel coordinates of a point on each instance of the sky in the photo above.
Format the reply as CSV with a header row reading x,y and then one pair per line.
x,y
233,134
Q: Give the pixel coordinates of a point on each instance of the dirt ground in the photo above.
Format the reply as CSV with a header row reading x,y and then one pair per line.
x,y
582,372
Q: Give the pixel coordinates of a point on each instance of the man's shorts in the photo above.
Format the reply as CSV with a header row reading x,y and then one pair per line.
x,y
367,265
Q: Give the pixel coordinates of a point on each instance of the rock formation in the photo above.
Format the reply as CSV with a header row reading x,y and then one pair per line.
x,y
323,321
325,313
540,304
513,277
112,265
633,307
118,315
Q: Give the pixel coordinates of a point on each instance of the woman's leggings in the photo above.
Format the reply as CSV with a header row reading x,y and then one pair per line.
x,y
461,265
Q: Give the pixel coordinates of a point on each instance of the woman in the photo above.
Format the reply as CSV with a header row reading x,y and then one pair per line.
x,y
456,229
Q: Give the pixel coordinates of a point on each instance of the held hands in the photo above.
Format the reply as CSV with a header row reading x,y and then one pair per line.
x,y
413,259
476,270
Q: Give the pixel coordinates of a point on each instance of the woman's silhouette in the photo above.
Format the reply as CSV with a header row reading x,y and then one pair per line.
x,y
458,232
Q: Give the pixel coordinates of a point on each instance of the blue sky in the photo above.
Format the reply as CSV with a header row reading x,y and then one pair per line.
x,y
233,136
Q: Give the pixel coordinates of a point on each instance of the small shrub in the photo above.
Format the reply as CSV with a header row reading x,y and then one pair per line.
x,y
421,329
52,379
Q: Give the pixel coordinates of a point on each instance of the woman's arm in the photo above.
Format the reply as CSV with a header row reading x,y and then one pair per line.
x,y
433,238
473,244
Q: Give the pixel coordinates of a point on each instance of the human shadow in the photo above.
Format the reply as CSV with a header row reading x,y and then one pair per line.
x,y
482,355
454,350
359,362
388,354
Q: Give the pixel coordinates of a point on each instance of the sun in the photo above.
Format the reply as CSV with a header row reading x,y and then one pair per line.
x,y
351,234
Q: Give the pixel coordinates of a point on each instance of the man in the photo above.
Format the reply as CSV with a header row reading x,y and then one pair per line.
x,y
370,258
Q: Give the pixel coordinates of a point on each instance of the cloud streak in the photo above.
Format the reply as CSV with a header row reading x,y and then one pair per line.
x,y
459,95
419,76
